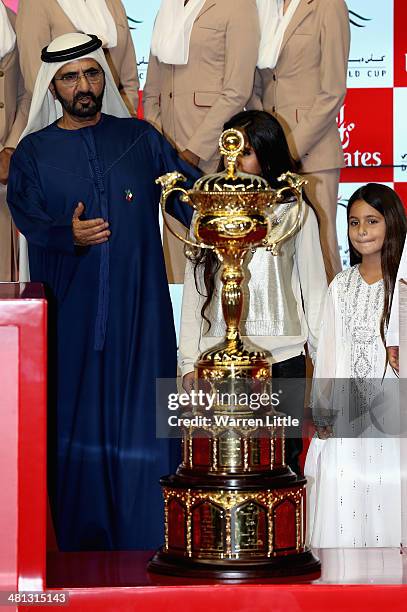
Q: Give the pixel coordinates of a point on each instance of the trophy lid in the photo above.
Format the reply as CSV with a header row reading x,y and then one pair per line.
x,y
231,145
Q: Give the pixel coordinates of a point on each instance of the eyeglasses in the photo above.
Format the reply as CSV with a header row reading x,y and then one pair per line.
x,y
93,75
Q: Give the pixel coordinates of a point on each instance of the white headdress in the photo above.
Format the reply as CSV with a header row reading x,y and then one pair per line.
x,y
91,16
44,108
273,24
7,34
172,30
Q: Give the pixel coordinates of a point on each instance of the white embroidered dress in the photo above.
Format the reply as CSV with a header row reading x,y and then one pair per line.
x,y
354,490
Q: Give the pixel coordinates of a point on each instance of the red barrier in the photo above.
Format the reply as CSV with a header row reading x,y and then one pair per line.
x,y
23,446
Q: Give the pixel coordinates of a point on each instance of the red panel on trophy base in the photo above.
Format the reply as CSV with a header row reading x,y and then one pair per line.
x,y
177,518
284,521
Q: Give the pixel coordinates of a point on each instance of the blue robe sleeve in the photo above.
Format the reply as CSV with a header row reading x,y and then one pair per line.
x,y
27,206
167,160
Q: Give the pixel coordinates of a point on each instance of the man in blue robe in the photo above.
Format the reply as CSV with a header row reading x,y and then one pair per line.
x,y
82,191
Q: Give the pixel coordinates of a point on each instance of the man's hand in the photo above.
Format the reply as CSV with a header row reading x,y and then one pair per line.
x,y
90,232
393,357
5,157
190,157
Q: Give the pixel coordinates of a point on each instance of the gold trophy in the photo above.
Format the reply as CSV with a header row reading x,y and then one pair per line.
x,y
234,511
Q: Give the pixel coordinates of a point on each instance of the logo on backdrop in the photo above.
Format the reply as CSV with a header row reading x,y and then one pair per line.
x,y
365,124
371,52
355,158
358,20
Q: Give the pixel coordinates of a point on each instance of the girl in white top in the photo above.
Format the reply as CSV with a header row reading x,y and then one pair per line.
x,y
284,294
354,490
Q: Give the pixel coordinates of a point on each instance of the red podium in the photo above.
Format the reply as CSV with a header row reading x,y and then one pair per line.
x,y
23,313
119,581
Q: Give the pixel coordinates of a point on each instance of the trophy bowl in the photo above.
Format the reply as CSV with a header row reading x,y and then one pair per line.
x,y
236,212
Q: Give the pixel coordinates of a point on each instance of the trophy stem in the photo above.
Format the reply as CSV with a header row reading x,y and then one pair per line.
x,y
232,296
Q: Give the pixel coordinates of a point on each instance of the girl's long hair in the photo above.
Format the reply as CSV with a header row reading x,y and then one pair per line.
x,y
266,136
387,203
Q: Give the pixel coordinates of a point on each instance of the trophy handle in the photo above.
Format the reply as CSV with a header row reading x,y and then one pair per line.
x,y
168,185
295,185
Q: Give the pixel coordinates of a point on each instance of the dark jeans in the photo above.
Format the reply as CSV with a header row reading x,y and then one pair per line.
x,y
291,403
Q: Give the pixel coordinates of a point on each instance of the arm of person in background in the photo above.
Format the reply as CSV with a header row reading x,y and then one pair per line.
x,y
312,276
191,322
335,42
129,79
256,101
20,120
27,206
242,49
33,34
151,94
5,158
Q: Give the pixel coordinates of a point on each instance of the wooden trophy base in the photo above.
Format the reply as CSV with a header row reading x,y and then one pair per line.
x,y
299,567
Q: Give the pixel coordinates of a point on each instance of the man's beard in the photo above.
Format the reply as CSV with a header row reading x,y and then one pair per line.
x,y
76,109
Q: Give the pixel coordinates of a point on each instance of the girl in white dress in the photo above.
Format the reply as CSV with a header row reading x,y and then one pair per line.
x,y
354,481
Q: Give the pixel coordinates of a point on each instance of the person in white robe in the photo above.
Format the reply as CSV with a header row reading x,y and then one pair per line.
x,y
353,465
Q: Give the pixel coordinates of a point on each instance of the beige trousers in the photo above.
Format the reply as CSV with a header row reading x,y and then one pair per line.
x,y
322,190
8,242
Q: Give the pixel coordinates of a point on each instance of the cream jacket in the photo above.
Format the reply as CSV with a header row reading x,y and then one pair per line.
x,y
190,103
40,21
14,100
308,85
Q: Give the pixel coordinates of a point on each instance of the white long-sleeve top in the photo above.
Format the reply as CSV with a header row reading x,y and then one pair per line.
x,y
392,336
298,300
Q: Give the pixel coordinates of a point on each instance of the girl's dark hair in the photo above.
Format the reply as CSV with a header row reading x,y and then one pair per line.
x,y
266,136
387,203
